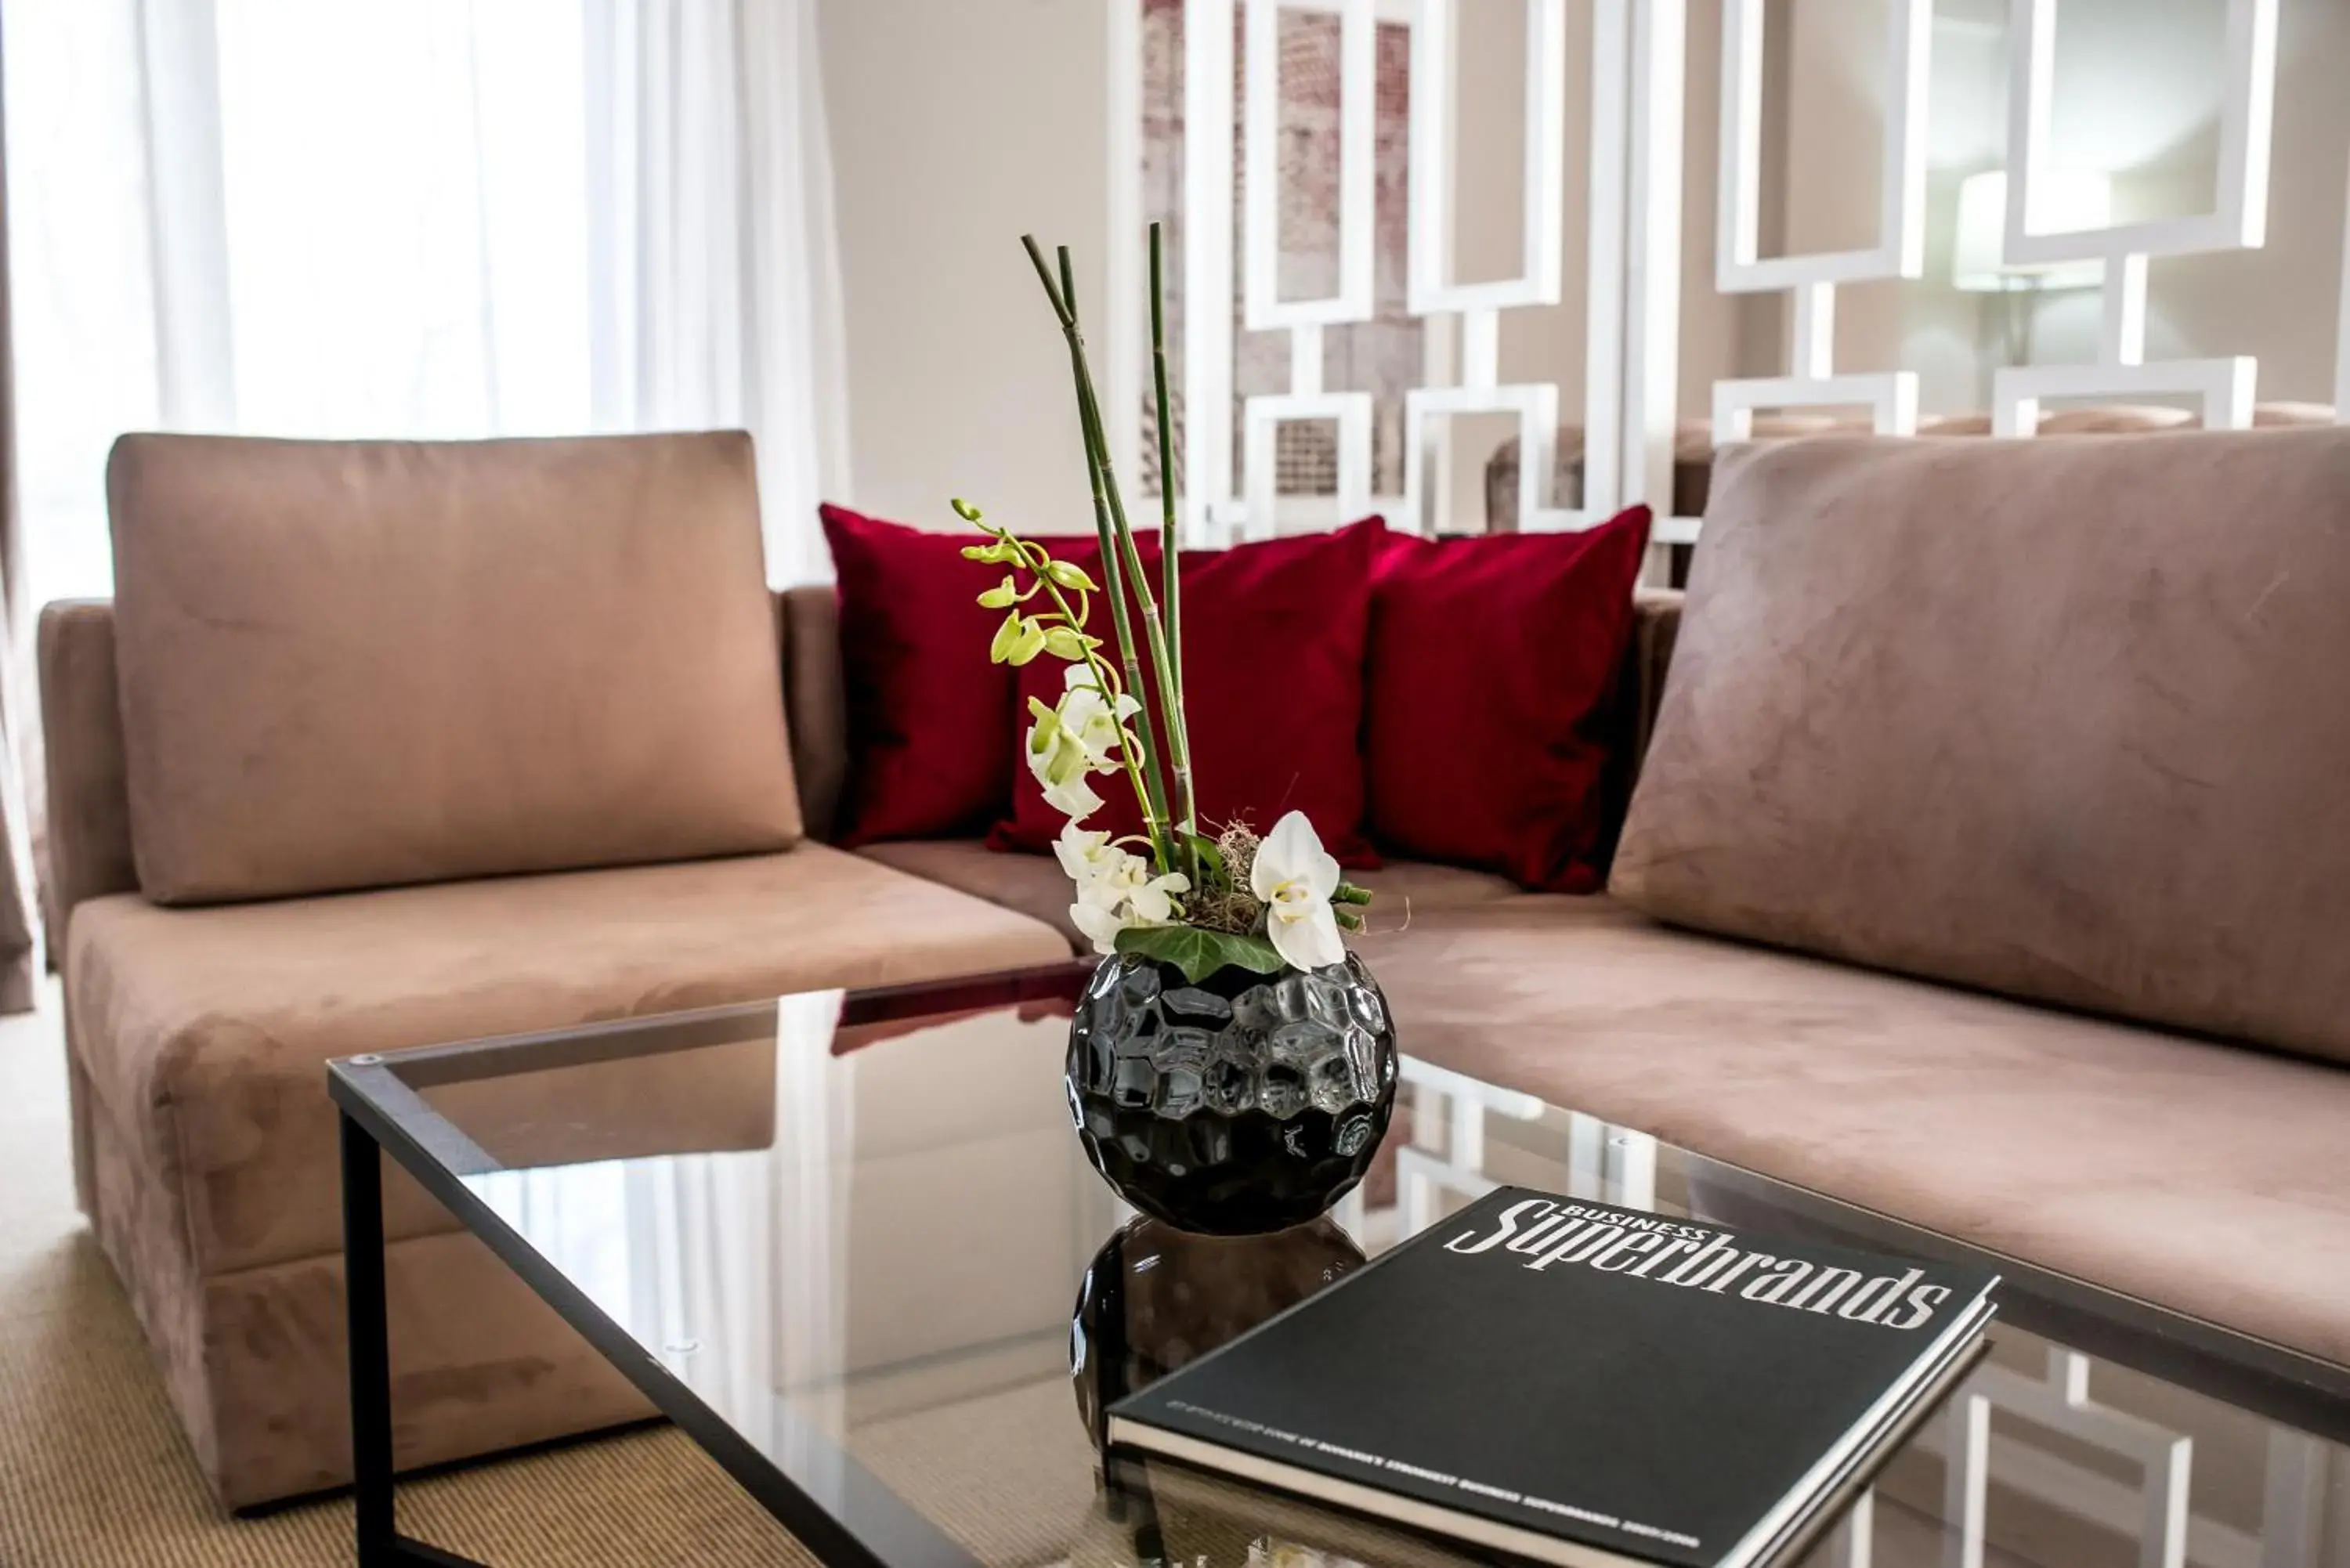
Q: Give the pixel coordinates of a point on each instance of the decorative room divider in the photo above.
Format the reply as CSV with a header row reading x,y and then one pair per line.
x,y
2238,221
1633,101
1631,313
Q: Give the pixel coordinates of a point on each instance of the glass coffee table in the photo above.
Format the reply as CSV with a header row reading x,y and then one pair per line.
x,y
848,1243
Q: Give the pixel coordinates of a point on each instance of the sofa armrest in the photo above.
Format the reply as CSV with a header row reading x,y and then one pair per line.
x,y
817,701
87,838
1656,623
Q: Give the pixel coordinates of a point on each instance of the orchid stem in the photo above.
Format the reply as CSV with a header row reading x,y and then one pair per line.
x,y
1178,750
1168,554
1119,556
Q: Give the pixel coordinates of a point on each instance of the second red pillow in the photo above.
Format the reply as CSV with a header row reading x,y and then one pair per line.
x,y
1274,643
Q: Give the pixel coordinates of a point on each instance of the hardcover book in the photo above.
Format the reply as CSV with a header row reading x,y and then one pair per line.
x,y
1583,1384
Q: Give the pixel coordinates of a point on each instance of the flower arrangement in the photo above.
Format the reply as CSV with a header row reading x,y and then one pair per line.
x,y
1176,893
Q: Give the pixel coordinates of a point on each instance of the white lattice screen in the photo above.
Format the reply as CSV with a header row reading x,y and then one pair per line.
x,y
1811,382
2238,221
1631,316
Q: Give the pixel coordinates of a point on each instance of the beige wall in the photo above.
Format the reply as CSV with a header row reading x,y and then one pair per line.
x,y
956,125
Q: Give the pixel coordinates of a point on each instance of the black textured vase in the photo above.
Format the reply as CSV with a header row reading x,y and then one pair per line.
x,y
1245,1103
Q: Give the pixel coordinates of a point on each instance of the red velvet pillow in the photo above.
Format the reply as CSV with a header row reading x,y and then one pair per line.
x,y
929,716
1274,637
1496,683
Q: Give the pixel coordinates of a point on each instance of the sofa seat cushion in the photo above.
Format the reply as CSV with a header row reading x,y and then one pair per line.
x,y
2199,1176
1036,885
204,1031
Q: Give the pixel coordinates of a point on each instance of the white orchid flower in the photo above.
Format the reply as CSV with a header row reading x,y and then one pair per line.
x,y
1092,720
1072,798
1105,909
1116,890
1084,855
1295,877
1092,862
1079,737
1058,764
1129,882
1101,926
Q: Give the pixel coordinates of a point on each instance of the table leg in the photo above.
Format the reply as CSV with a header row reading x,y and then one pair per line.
x,y
381,1545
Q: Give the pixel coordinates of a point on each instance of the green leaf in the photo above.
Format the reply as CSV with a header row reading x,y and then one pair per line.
x,y
1199,953
1215,876
1069,576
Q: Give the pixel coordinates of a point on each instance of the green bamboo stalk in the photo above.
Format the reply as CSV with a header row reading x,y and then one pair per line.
x,y
1154,797
1178,752
1178,716
1166,722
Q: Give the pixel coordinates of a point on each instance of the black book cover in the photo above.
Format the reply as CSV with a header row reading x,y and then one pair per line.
x,y
1662,1389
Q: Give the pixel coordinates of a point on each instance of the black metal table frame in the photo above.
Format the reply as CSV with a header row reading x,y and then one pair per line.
x,y
380,1544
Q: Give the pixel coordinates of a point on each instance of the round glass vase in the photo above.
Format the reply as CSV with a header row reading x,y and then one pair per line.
x,y
1240,1103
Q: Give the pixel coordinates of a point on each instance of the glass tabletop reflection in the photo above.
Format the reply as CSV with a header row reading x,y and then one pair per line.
x,y
859,1229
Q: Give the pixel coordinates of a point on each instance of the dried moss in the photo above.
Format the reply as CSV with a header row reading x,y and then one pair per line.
x,y
1234,908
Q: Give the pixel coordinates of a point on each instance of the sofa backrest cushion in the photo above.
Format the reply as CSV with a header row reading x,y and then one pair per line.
x,y
2056,719
348,664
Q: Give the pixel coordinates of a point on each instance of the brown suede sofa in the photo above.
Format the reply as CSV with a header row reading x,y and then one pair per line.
x,y
1995,800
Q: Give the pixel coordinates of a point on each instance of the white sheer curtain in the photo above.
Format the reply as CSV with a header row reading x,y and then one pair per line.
x,y
418,218
716,267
